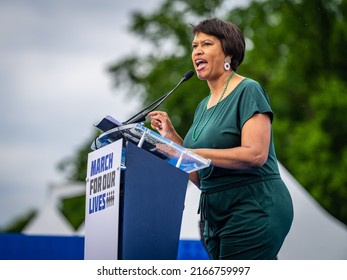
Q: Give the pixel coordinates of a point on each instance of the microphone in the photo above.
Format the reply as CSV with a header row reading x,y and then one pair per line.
x,y
141,116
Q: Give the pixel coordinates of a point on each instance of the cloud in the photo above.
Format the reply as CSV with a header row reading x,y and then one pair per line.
x,y
54,87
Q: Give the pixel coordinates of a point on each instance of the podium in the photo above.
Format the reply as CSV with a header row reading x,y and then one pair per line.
x,y
135,191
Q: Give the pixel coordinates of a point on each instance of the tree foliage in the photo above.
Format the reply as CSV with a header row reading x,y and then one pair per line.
x,y
295,50
296,55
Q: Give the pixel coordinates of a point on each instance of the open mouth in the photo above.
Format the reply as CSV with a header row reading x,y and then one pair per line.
x,y
200,64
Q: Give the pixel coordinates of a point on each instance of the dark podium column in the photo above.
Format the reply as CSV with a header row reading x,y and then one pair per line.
x,y
151,207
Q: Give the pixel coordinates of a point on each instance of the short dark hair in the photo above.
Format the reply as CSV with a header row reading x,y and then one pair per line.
x,y
231,37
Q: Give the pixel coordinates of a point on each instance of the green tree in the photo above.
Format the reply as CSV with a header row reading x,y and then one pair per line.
x,y
294,50
296,55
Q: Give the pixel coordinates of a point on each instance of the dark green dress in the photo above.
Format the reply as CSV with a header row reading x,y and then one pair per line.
x,y
247,213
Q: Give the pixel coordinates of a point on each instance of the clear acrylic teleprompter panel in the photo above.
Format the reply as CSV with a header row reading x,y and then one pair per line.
x,y
156,144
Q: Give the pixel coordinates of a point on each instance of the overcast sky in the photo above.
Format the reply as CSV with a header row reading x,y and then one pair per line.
x,y
54,86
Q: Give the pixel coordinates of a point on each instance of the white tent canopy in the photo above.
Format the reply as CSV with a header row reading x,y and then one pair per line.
x,y
315,234
49,220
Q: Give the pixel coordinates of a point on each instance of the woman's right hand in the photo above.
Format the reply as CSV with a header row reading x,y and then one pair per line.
x,y
161,122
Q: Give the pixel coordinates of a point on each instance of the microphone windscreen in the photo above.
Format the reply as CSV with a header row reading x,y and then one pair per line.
x,y
188,75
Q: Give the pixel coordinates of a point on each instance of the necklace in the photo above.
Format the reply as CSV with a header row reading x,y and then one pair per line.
x,y
196,136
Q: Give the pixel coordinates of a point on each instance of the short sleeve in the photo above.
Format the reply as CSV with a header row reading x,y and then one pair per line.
x,y
253,100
